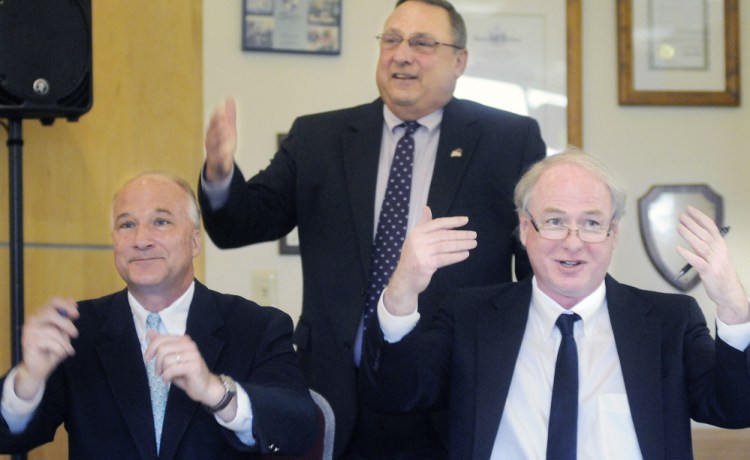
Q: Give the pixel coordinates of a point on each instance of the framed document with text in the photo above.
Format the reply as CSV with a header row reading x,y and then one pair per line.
x,y
525,57
678,52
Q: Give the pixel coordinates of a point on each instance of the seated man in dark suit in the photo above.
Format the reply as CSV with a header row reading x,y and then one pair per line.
x,y
568,363
164,368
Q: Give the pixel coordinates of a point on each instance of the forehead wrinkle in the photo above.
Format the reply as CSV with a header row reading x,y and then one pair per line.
x,y
163,211
585,213
127,214
122,215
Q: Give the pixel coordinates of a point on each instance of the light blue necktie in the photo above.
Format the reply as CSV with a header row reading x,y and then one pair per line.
x,y
159,388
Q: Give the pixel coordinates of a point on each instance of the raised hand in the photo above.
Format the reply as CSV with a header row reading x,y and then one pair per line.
x,y
711,259
179,361
45,342
221,141
432,244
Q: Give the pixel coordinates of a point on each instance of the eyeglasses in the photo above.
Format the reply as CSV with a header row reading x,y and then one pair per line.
x,y
420,43
553,229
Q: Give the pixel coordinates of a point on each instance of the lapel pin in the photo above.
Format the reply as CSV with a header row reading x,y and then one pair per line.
x,y
457,153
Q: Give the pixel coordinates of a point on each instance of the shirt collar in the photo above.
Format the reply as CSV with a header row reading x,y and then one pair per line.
x,y
173,318
547,310
431,121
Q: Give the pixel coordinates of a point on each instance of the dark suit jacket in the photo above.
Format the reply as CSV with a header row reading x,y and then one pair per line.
x,y
323,181
673,369
101,394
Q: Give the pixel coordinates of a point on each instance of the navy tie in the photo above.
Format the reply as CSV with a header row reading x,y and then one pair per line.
x,y
563,415
394,215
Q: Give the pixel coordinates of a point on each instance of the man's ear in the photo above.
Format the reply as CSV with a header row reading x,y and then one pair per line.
x,y
196,238
614,232
523,227
462,58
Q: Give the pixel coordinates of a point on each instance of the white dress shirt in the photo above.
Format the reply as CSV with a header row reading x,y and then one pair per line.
x,y
605,424
18,413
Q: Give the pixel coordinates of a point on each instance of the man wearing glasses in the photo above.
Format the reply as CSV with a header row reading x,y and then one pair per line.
x,y
569,363
330,179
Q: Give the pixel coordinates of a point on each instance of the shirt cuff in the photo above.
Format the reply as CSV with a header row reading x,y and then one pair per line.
x,y
17,412
217,192
395,327
242,424
735,335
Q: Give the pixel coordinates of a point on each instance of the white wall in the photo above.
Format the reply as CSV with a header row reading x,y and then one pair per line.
x,y
645,146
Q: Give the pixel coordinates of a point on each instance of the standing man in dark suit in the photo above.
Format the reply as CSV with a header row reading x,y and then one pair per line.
x,y
329,179
646,361
226,365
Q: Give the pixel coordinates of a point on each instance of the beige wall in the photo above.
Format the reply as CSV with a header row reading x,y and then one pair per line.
x,y
645,145
271,89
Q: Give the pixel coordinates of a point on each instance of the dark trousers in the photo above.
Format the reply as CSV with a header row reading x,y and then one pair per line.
x,y
379,436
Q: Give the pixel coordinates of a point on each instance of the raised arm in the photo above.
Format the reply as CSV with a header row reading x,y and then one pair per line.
x,y
432,244
221,141
45,343
711,259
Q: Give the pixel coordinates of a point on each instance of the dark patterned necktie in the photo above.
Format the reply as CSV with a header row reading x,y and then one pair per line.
x,y
563,415
394,215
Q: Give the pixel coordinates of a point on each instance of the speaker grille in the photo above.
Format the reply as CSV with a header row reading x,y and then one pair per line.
x,y
45,58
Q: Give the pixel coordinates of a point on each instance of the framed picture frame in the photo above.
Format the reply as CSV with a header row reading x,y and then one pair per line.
x,y
678,52
292,26
525,57
289,244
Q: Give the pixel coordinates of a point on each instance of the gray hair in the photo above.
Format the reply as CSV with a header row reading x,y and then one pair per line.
x,y
457,21
572,155
193,209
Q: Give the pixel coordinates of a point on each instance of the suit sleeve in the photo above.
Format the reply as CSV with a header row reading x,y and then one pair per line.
x,y
284,414
42,426
259,209
409,375
718,376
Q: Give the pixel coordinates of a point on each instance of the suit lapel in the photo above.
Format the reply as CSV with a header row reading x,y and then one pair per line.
x,y
203,320
638,341
459,135
500,329
126,374
361,152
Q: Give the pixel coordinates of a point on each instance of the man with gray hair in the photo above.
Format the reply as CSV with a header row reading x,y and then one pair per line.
x,y
353,182
165,367
569,363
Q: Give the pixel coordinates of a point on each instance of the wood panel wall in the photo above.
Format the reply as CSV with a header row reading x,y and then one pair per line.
x,y
147,114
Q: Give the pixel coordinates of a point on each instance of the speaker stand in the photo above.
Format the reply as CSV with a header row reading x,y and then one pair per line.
x,y
15,182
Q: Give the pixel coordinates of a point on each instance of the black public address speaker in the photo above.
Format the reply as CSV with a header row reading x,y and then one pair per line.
x,y
45,59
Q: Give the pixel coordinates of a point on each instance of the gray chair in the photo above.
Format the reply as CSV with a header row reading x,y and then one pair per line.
x,y
328,424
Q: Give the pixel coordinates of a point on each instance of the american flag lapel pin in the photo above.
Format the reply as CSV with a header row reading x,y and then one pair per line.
x,y
457,153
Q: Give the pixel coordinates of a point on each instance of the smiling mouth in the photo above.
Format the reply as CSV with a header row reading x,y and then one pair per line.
x,y
570,263
144,259
401,76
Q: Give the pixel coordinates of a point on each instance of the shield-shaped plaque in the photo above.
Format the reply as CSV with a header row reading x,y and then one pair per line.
x,y
658,211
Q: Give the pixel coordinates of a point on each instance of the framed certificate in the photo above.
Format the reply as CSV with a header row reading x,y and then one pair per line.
x,y
525,57
678,52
